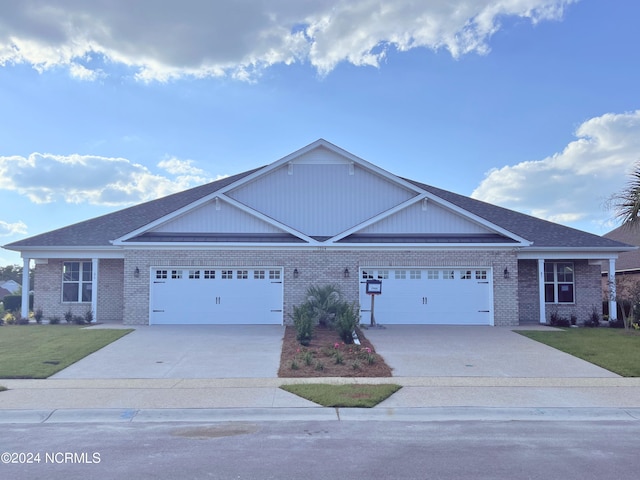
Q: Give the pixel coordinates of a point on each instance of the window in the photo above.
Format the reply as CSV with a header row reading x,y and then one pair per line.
x,y
465,275
400,274
481,274
258,274
367,275
448,274
383,274
227,274
76,281
415,274
209,274
558,282
176,274
194,274
433,274
161,274
242,274
274,274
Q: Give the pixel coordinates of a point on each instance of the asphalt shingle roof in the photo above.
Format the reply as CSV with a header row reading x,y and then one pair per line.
x,y
100,231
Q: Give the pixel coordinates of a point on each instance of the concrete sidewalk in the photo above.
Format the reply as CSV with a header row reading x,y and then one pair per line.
x,y
29,401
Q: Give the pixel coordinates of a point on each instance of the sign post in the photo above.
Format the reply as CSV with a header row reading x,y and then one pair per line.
x,y
374,287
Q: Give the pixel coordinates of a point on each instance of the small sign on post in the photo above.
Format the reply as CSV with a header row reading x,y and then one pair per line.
x,y
374,287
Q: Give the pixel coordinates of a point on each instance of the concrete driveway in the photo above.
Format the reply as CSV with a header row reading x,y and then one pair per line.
x,y
186,351
473,351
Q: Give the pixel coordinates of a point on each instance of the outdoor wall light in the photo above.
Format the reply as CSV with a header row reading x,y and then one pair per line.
x,y
346,273
506,273
295,273
136,273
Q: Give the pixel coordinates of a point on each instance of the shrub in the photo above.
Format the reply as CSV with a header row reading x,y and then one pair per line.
x,y
78,319
37,315
338,357
54,320
556,320
303,322
88,316
68,316
9,318
345,322
14,302
594,319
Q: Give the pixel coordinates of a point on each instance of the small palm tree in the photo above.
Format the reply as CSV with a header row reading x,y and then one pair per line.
x,y
324,302
626,204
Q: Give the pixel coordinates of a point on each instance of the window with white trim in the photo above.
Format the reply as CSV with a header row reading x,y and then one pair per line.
x,y
161,274
366,275
76,282
481,274
559,282
465,275
383,274
227,274
194,274
258,274
209,274
176,274
448,274
400,274
415,274
433,274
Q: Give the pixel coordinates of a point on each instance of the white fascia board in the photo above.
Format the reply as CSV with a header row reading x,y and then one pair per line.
x,y
315,247
209,198
267,219
522,242
71,252
329,146
569,253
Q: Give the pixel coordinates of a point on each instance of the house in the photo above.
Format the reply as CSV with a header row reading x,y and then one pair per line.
x,y
11,285
244,249
628,263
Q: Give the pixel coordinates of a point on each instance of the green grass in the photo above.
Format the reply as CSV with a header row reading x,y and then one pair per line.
x,y
610,348
39,351
361,395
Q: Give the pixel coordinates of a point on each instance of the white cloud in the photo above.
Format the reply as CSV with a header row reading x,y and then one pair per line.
x,y
17,228
46,178
165,40
574,185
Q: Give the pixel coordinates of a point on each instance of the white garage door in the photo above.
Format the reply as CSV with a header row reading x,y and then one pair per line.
x,y
216,295
443,296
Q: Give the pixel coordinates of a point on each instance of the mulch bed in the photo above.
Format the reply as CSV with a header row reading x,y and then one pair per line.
x,y
318,359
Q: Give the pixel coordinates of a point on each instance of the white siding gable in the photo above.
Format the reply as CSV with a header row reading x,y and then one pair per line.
x,y
321,193
425,218
217,216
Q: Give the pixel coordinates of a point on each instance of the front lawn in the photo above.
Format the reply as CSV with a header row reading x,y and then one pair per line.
x,y
39,351
610,348
352,395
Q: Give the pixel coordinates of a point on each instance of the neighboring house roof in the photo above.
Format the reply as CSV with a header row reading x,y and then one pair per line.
x,y
3,293
143,223
11,286
627,261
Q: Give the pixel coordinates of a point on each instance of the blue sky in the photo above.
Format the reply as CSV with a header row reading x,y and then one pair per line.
x,y
529,104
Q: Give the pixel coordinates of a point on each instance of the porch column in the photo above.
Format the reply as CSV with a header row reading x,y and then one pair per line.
x,y
94,288
613,305
543,310
24,307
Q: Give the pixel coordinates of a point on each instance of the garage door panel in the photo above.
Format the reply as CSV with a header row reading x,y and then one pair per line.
x,y
443,296
216,296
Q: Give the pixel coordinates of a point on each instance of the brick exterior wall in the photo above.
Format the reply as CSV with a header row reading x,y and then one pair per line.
x,y
588,293
48,291
318,267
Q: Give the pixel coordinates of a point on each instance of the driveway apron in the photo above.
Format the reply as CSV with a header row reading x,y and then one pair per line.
x,y
186,351
473,351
